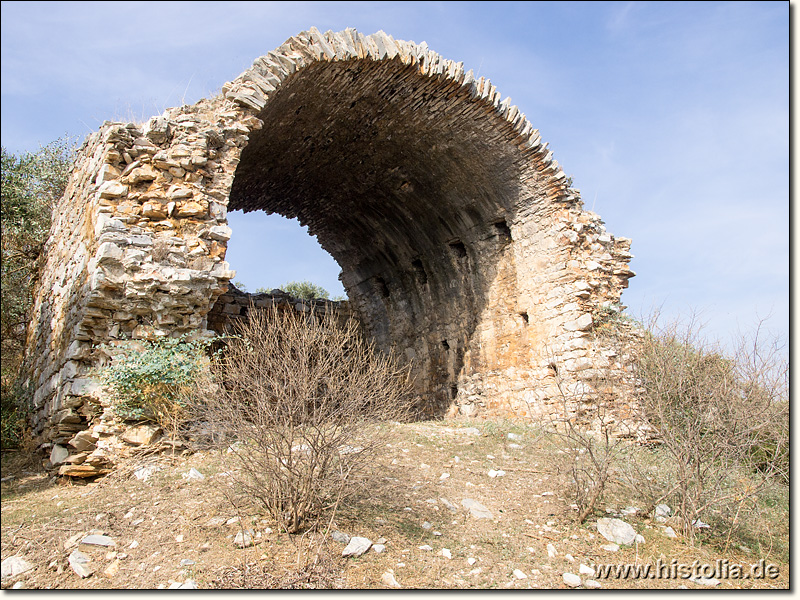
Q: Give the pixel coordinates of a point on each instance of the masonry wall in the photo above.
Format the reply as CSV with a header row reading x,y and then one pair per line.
x,y
462,246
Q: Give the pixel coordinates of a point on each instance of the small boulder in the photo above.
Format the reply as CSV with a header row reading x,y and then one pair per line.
x,y
80,563
13,566
58,455
141,435
571,579
476,509
357,546
617,531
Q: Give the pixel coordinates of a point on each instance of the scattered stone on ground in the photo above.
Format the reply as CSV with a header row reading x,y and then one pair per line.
x,y
194,474
98,540
586,570
551,551
340,536
571,579
592,584
446,553
13,566
520,574
244,539
388,579
79,563
610,547
670,532
476,509
357,546
378,548
616,531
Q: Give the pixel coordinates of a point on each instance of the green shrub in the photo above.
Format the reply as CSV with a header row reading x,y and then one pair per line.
x,y
152,381
305,290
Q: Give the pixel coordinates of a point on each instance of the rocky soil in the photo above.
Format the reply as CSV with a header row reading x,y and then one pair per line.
x,y
455,505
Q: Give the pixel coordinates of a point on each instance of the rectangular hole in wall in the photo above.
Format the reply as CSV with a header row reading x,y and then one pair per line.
x,y
419,271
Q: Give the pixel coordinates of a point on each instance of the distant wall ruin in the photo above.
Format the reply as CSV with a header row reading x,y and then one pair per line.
x,y
461,244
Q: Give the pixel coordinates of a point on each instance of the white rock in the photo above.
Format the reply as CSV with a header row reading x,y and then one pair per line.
x,y
519,574
639,539
244,539
551,551
514,436
194,474
571,579
79,563
425,547
476,509
144,473
446,553
444,476
388,579
378,548
471,561
662,510
98,540
569,557
13,566
610,547
670,532
586,570
592,584
498,473
616,530
427,525
357,546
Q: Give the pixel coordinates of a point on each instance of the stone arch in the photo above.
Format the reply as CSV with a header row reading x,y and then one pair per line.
x,y
461,244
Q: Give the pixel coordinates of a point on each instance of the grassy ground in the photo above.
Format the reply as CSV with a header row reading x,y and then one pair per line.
x,y
163,535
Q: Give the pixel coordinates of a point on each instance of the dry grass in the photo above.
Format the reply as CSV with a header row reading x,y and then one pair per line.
x,y
39,516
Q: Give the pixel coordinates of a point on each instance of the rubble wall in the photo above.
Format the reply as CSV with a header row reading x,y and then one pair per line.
x,y
462,245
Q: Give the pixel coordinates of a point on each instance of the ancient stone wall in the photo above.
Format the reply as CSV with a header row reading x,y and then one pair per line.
x,y
461,244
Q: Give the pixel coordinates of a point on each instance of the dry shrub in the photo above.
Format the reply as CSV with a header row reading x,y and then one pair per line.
x,y
305,397
585,431
722,420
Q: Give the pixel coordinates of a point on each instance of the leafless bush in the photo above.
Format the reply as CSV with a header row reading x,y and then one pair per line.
x,y
305,398
585,430
722,420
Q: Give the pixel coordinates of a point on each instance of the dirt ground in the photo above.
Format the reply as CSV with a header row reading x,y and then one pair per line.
x,y
170,529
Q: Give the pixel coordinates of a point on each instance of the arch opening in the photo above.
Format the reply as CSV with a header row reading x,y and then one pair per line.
x,y
395,175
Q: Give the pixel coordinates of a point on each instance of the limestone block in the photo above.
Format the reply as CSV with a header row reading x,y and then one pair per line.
x,y
141,434
112,189
580,324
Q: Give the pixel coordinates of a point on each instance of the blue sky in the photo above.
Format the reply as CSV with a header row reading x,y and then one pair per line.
x,y
672,118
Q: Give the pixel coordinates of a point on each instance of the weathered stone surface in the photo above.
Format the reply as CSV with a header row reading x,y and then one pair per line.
x,y
58,455
141,434
616,531
476,509
357,546
80,563
461,244
13,566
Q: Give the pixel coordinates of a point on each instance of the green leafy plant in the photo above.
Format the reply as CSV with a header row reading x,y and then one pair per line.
x,y
305,290
31,185
152,381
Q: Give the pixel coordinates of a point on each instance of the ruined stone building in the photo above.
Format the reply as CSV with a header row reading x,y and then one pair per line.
x,y
461,244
